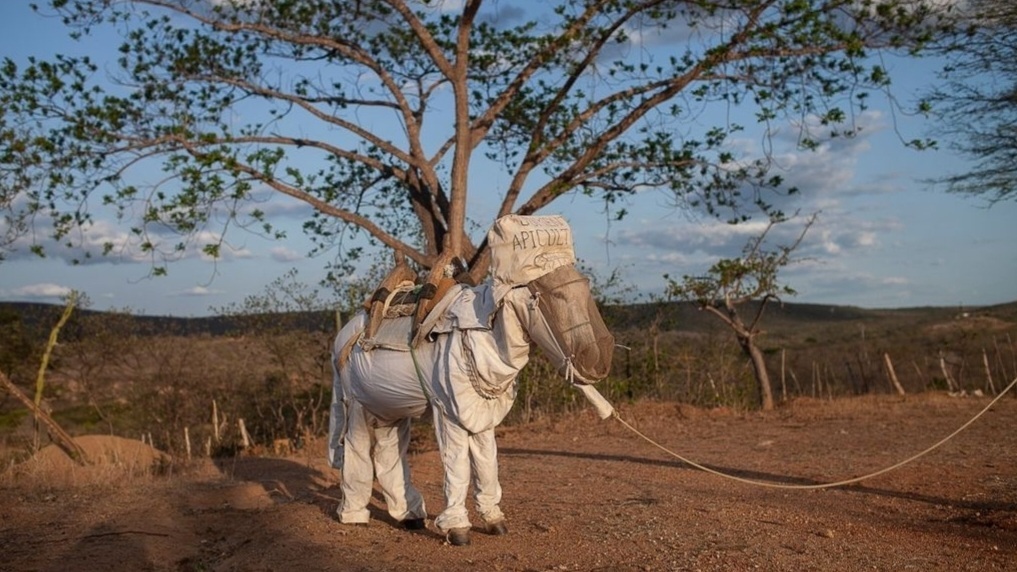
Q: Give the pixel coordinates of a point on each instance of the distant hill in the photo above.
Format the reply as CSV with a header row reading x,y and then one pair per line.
x,y
778,320
42,317
787,317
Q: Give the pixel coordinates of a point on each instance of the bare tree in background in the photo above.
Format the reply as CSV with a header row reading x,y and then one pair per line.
x,y
977,104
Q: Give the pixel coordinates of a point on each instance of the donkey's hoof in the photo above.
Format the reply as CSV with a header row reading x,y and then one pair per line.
x,y
496,528
413,524
458,536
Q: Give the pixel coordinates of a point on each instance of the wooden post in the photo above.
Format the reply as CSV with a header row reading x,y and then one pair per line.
x,y
783,381
999,356
988,372
794,378
815,376
215,421
949,380
245,438
921,374
893,375
187,442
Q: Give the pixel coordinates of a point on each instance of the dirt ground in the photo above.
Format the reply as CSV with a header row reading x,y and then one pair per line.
x,y
580,494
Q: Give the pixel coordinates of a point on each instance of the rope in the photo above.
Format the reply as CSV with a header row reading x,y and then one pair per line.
x,y
400,310
420,374
821,485
472,373
416,365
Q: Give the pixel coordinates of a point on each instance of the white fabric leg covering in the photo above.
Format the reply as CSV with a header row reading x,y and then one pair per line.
x,y
453,443
486,487
358,471
464,455
402,499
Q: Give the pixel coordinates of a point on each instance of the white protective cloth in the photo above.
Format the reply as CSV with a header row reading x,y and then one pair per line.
x,y
386,384
354,434
467,350
390,443
474,376
465,455
524,248
476,342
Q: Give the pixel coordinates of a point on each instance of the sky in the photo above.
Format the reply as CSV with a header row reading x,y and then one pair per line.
x,y
883,237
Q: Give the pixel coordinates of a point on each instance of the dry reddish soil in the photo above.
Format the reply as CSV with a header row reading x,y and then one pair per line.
x,y
580,494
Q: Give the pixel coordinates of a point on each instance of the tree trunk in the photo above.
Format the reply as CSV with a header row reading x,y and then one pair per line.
x,y
746,339
759,369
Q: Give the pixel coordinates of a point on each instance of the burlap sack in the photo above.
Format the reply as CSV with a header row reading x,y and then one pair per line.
x,y
524,248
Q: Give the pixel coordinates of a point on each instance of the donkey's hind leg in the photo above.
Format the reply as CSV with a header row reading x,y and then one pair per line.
x,y
403,500
357,468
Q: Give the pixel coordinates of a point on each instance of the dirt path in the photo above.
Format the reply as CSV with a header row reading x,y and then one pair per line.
x,y
580,494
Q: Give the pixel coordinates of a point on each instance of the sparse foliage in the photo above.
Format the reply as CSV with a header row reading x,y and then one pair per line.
x,y
380,114
733,282
977,104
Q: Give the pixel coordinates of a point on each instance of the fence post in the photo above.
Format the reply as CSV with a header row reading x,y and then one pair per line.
x,y
893,375
245,438
988,372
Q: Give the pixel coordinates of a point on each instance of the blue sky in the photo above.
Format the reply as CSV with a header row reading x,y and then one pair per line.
x,y
883,238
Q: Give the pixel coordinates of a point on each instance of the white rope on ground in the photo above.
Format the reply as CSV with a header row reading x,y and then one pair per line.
x,y
821,485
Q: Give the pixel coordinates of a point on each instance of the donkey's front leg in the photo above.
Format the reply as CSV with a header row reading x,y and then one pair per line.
x,y
486,487
465,455
454,445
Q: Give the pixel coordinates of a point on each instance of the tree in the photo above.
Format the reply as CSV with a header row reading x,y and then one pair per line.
x,y
381,114
977,104
734,282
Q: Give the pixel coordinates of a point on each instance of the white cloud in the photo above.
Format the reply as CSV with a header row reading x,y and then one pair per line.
x,y
283,254
850,286
840,233
90,241
199,291
829,171
45,290
227,251
274,205
709,236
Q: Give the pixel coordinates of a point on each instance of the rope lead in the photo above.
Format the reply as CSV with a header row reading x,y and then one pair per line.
x,y
821,485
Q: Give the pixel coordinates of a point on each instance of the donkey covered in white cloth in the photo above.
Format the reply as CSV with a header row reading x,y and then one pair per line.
x,y
462,363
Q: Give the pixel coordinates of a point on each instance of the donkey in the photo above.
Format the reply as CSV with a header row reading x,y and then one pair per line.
x,y
462,362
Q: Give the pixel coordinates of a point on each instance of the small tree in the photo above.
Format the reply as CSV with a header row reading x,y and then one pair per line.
x,y
733,282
